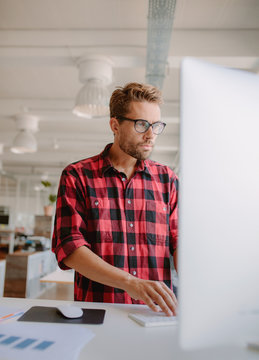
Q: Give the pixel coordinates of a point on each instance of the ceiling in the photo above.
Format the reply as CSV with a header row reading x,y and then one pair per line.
x,y
40,42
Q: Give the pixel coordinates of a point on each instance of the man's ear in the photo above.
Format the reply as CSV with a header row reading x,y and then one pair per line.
x,y
114,124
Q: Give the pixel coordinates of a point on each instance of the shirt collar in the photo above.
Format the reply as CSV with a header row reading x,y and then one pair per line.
x,y
105,163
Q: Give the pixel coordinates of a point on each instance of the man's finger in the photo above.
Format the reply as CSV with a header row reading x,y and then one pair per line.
x,y
169,304
170,293
149,302
163,301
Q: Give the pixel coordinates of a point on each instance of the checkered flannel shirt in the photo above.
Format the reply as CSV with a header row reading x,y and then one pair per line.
x,y
129,224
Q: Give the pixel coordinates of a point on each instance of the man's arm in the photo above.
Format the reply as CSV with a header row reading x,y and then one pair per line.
x,y
84,261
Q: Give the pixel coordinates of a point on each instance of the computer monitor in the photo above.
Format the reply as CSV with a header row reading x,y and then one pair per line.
x,y
218,206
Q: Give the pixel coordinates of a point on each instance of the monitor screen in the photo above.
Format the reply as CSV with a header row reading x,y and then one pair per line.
x,y
219,205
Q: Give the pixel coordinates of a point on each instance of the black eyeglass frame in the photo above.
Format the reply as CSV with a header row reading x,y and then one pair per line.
x,y
135,124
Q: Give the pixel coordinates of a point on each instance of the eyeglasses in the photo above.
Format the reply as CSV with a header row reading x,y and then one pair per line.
x,y
142,126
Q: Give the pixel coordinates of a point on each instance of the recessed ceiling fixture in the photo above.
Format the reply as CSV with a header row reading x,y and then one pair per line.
x,y
25,141
95,72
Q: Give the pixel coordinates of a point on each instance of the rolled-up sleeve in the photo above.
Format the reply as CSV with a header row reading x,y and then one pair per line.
x,y
70,226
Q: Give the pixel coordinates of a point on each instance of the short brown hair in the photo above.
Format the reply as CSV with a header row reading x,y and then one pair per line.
x,y
123,96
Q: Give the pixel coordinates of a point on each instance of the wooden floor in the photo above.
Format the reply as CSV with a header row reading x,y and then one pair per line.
x,y
59,292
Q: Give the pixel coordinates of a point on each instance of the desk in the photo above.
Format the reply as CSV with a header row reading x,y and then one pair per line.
x,y
121,338
60,276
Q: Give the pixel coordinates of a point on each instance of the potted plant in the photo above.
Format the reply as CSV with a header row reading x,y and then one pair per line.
x,y
48,209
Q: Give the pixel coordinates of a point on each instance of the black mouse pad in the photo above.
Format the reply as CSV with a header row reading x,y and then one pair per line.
x,y
53,315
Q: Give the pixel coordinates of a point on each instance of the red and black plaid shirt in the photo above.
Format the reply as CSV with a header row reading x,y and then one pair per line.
x,y
130,224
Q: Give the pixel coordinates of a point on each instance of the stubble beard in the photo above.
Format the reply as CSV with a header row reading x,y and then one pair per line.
x,y
134,152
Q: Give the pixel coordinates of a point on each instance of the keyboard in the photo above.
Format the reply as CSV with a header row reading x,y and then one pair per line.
x,y
149,318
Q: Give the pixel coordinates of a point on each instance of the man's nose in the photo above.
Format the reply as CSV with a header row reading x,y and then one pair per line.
x,y
149,134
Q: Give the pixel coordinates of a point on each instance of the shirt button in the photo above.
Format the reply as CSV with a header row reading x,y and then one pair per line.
x,y
129,202
132,248
134,272
123,179
164,208
131,225
96,203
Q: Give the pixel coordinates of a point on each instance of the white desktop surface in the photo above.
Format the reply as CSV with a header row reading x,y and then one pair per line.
x,y
121,338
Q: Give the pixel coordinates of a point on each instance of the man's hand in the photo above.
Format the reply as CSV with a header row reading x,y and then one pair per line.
x,y
152,293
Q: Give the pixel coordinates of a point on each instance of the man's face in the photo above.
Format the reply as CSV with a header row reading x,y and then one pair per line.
x,y
138,145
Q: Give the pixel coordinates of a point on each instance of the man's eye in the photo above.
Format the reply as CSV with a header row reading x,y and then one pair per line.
x,y
143,123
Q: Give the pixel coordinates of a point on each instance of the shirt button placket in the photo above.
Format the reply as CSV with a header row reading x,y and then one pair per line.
x,y
130,221
131,252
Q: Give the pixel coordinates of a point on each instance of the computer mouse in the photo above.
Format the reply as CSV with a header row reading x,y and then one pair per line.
x,y
70,311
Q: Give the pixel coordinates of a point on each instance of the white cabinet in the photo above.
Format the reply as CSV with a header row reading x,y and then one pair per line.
x,y
23,273
2,277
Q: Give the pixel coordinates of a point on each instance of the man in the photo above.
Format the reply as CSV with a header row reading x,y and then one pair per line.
x,y
116,217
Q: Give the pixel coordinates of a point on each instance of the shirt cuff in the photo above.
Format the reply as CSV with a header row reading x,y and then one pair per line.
x,y
67,247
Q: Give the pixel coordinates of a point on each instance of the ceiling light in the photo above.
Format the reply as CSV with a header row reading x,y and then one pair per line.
x,y
95,72
24,142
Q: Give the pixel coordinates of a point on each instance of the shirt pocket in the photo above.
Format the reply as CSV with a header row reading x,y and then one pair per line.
x,y
99,221
157,222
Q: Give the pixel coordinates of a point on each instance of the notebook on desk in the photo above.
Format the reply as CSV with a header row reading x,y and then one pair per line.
x,y
52,315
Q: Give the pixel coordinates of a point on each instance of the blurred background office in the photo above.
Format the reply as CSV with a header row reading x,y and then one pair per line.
x,y
60,60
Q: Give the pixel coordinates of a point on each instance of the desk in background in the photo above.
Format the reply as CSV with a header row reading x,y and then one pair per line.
x,y
121,338
61,284
59,276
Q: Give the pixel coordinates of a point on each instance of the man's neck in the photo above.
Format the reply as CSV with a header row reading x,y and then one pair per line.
x,y
122,161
